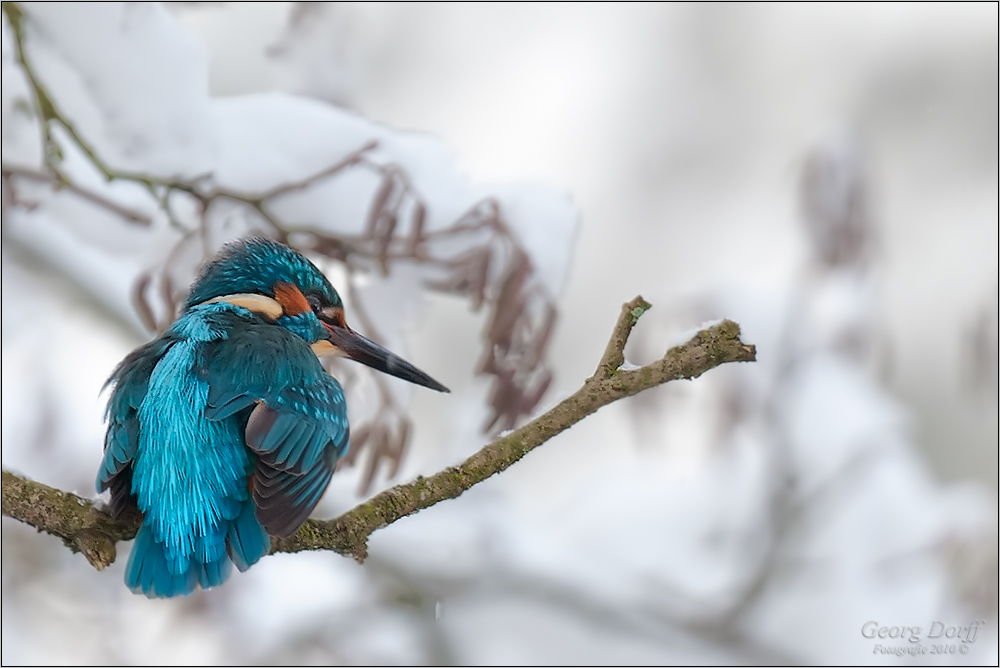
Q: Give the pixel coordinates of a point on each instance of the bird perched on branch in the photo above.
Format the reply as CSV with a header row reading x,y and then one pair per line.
x,y
226,429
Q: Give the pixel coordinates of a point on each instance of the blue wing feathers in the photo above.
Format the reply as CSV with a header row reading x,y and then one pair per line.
x,y
293,445
130,380
298,428
247,541
284,501
218,399
119,448
317,445
284,425
222,407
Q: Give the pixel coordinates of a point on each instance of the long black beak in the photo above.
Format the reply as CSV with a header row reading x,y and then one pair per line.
x,y
358,348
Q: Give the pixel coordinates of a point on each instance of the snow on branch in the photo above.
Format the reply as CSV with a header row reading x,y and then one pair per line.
x,y
188,173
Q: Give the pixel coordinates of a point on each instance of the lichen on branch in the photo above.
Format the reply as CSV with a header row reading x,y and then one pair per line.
x,y
88,529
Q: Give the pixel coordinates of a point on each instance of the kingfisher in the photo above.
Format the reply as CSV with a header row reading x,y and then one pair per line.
x,y
226,429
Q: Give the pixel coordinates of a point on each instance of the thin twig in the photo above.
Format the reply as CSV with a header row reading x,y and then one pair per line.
x,y
351,158
59,182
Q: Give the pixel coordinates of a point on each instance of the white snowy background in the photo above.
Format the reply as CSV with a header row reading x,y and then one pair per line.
x,y
761,514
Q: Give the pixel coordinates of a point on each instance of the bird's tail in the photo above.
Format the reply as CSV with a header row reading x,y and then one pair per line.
x,y
247,541
151,572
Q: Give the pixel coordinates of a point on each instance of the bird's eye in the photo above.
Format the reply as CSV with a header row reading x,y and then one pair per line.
x,y
314,303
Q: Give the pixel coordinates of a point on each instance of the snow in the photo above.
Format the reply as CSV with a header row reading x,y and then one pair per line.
x,y
782,504
130,78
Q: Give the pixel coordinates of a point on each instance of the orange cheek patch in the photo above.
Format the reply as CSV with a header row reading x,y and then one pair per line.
x,y
291,299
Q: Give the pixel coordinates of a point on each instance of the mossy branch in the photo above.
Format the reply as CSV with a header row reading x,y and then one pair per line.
x,y
88,529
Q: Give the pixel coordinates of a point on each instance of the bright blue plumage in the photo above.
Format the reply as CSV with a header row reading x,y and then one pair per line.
x,y
185,456
226,429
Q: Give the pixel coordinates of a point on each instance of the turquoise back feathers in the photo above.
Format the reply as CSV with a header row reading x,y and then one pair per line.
x,y
226,429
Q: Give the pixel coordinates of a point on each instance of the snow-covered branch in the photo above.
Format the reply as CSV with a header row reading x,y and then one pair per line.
x,y
380,205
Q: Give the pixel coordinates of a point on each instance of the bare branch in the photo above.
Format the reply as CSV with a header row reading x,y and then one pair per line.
x,y
351,158
81,525
92,531
59,182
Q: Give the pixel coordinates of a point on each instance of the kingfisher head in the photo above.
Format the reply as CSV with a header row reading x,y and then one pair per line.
x,y
286,289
